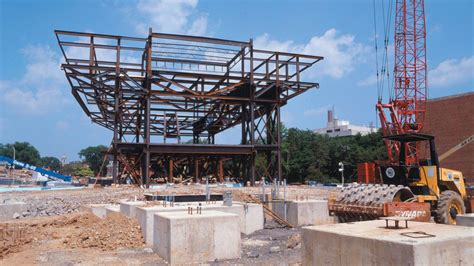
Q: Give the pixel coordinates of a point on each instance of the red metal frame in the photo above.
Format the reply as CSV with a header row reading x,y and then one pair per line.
x,y
408,106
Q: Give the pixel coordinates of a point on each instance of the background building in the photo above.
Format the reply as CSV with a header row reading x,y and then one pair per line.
x,y
451,120
339,128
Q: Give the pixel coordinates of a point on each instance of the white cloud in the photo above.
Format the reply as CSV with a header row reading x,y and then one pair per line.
x,y
369,81
452,72
62,125
341,52
170,16
199,26
287,118
317,111
42,86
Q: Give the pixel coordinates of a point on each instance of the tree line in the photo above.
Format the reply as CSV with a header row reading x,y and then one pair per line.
x,y
305,156
89,165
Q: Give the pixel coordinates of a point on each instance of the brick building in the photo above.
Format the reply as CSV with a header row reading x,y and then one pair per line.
x,y
451,120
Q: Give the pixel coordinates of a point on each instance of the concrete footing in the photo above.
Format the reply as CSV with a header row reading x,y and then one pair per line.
x,y
97,209
465,220
112,209
370,243
250,216
12,210
182,238
128,208
306,212
253,218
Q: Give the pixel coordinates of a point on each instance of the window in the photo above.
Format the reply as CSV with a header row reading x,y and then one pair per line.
x,y
328,131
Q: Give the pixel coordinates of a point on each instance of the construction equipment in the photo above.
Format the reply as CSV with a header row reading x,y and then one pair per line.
x,y
40,170
454,149
411,185
441,191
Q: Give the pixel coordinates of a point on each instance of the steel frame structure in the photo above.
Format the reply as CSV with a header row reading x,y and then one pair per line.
x,y
156,91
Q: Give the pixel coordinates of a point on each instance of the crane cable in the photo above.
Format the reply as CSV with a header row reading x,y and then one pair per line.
x,y
384,79
379,93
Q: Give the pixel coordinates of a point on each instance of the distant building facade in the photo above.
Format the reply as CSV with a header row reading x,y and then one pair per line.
x,y
451,120
340,128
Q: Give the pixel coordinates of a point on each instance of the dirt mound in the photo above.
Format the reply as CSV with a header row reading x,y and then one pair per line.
x,y
116,231
78,230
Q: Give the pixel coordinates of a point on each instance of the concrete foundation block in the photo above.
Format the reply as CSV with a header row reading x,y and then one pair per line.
x,y
253,218
250,218
112,209
146,220
300,213
182,238
9,210
465,219
97,209
370,243
128,207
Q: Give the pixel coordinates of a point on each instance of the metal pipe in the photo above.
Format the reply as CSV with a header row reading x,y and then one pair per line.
x,y
284,199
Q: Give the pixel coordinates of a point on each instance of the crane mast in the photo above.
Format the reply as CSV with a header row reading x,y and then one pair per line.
x,y
406,108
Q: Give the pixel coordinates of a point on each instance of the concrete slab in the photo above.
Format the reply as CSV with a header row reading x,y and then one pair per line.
x,y
305,212
181,238
128,207
112,209
465,219
370,243
9,210
250,217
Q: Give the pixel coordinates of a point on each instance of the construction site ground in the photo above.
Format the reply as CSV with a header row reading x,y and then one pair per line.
x,y
57,231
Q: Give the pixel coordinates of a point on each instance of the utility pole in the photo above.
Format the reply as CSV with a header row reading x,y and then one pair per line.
x,y
341,169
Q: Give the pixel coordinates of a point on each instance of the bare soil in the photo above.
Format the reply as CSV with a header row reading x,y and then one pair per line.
x,y
77,237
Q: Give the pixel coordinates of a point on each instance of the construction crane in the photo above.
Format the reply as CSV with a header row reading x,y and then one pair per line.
x,y
410,183
407,106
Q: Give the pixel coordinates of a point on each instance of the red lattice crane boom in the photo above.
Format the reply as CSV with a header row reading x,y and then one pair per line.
x,y
407,105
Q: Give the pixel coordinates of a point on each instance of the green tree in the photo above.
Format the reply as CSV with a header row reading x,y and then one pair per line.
x,y
24,152
93,156
83,171
310,156
68,168
77,168
52,163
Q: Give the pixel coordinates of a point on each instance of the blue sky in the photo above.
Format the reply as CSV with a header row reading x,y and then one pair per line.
x,y
35,100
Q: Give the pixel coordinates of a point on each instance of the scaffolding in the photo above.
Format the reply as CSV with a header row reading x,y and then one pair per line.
x,y
167,96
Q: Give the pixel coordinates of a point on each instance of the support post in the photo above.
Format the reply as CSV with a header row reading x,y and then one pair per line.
x,y
170,172
196,170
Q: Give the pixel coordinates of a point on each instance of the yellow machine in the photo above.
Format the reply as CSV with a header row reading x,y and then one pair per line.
x,y
442,190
